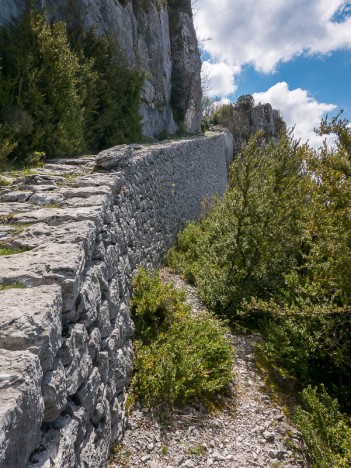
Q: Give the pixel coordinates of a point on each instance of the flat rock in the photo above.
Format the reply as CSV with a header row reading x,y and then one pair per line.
x,y
56,216
81,232
50,264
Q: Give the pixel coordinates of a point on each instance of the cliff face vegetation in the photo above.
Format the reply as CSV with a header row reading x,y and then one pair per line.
x,y
243,119
63,91
154,37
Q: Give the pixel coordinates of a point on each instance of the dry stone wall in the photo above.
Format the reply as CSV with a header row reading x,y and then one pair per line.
x,y
66,334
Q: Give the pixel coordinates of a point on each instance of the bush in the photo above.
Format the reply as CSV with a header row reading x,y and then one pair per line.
x,y
183,258
251,237
113,99
245,102
274,253
326,431
178,358
61,92
310,341
191,360
41,106
155,305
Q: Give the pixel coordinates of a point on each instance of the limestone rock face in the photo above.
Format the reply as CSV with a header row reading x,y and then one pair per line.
x,y
243,123
37,328
66,352
157,38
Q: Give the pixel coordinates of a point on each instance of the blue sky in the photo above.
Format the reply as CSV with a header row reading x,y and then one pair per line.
x,y
295,54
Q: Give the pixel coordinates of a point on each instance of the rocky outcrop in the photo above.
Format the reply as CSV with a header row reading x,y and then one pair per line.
x,y
242,123
153,36
83,227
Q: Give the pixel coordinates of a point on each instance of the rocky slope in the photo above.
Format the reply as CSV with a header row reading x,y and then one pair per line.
x,y
155,36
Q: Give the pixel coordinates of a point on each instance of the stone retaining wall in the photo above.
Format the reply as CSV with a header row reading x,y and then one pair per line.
x,y
65,335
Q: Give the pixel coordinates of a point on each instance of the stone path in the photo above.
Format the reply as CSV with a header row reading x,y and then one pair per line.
x,y
249,431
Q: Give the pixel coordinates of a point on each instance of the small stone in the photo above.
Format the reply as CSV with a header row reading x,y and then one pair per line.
x,y
218,457
269,436
189,463
145,458
180,460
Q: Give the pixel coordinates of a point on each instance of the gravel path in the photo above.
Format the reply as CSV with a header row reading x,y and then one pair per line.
x,y
249,431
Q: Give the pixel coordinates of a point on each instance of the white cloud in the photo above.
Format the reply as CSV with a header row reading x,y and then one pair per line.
x,y
266,32
298,109
218,78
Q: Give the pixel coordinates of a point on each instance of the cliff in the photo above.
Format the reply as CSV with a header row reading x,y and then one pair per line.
x,y
155,36
244,122
83,226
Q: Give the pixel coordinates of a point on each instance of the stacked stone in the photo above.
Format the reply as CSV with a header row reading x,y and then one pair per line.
x,y
65,335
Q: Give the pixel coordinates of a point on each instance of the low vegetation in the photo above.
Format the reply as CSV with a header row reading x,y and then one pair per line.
x,y
179,358
274,255
4,251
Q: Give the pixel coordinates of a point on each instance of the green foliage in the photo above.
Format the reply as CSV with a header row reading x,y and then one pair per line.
x,y
245,102
326,431
42,105
311,341
222,116
61,93
250,238
178,358
5,287
113,98
191,360
10,251
155,305
183,258
274,254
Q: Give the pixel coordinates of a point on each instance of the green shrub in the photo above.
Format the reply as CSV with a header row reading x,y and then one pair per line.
x,y
191,360
245,102
113,98
326,431
178,358
155,305
42,105
251,237
312,342
274,254
184,256
61,92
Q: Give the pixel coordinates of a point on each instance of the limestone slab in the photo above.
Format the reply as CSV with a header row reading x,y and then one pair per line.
x,y
21,406
51,264
31,319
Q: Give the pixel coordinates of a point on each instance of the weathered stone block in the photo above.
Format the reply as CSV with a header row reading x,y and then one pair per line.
x,y
87,394
75,352
54,391
57,446
31,319
21,406
51,264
